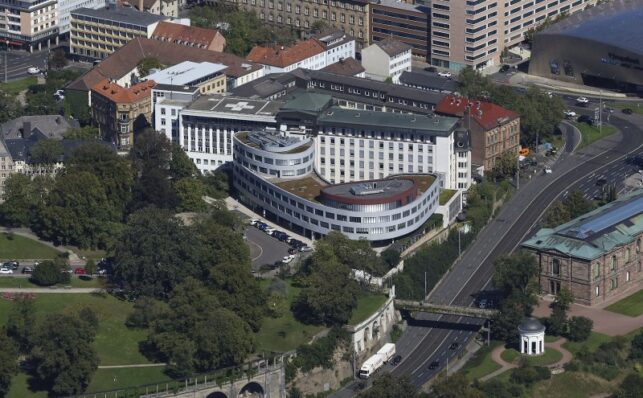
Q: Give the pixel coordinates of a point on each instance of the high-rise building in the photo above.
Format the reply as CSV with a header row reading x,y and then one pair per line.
x,y
475,32
65,7
28,23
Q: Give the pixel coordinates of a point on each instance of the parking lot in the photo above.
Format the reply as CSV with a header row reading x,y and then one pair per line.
x,y
264,249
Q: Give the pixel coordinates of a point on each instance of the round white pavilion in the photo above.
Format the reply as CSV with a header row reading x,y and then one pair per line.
x,y
532,337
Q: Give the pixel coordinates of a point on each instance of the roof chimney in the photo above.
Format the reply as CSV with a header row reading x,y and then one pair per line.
x,y
140,5
26,129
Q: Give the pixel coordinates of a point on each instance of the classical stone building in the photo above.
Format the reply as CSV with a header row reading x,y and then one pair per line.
x,y
351,16
596,256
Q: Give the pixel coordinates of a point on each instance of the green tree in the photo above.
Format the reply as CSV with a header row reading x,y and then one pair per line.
x,y
631,387
511,314
391,257
637,347
41,102
181,166
455,386
9,107
21,324
515,272
46,152
147,64
8,362
579,328
57,59
19,197
64,358
90,267
578,204
506,166
557,322
556,215
190,193
50,272
146,310
151,156
83,133
388,386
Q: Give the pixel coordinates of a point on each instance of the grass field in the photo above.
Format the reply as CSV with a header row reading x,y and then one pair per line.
x,y
550,356
112,379
591,344
367,304
17,247
571,385
631,305
592,134
510,355
16,86
115,343
20,282
481,364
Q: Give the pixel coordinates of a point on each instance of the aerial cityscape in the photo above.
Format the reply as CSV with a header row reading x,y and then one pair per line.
x,y
321,198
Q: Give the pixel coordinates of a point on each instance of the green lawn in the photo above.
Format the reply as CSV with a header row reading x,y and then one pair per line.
x,y
551,339
591,344
20,282
367,304
16,86
549,357
115,343
446,195
510,355
104,378
635,107
631,305
594,133
14,246
284,333
481,364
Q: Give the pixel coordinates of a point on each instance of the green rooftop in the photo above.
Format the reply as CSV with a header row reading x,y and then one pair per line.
x,y
383,121
595,233
308,102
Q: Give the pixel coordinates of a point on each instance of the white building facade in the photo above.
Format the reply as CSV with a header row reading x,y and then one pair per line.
x,y
387,59
65,8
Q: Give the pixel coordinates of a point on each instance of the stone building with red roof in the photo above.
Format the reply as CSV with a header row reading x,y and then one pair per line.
x,y
191,36
494,130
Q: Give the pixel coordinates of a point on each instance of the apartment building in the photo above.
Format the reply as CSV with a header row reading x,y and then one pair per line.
x,y
404,22
597,256
95,34
386,58
350,16
65,7
169,8
315,53
206,76
29,24
190,36
494,130
475,32
119,112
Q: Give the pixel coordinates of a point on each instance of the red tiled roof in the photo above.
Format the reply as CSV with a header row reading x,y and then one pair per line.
x,y
282,57
488,115
173,32
120,94
125,59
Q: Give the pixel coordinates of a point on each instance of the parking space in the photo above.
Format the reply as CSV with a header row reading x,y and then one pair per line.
x,y
264,249
17,268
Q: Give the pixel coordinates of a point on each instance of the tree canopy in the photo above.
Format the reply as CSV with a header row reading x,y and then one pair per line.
x,y
562,211
8,362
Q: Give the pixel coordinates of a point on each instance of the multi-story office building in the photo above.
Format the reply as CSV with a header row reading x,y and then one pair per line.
x,y
29,23
494,130
274,174
475,32
386,58
404,22
205,76
119,112
350,16
597,256
65,7
96,34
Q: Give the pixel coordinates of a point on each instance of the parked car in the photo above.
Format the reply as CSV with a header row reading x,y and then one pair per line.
x,y
6,270
454,346
601,181
627,111
80,271
434,365
585,119
582,100
305,249
396,360
292,250
287,259
547,170
483,303
32,70
27,270
504,68
444,74
254,221
431,69
11,265
570,113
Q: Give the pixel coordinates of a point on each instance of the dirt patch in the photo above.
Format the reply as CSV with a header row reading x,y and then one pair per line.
x,y
320,379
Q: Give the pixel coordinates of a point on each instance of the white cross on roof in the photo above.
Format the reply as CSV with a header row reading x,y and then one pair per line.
x,y
239,106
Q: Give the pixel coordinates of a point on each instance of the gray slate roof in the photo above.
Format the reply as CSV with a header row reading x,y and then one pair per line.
x,y
392,47
428,81
128,15
49,126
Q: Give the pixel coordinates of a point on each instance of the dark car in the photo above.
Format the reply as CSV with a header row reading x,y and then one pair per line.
x,y
27,270
396,360
11,265
601,181
504,68
627,111
434,365
454,346
585,119
431,69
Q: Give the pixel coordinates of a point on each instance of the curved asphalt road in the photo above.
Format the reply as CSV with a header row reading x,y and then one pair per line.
x,y
429,338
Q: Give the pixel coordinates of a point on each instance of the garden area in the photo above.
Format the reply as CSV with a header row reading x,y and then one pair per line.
x,y
18,247
591,134
631,305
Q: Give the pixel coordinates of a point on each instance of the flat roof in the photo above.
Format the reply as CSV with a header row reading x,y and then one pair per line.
x,y
616,23
235,105
371,190
422,124
403,6
186,72
128,15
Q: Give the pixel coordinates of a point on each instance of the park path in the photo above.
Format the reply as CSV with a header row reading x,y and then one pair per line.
x,y
139,365
74,260
76,290
558,346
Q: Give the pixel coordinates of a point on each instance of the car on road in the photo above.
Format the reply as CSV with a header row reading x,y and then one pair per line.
x,y
627,111
431,69
582,100
444,74
80,271
454,346
504,68
547,170
396,360
434,365
287,259
27,270
305,249
585,119
268,230
482,303
601,181
6,271
32,70
569,113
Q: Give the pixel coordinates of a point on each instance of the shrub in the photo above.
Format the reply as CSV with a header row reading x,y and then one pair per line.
x,y
527,375
49,273
579,328
391,257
